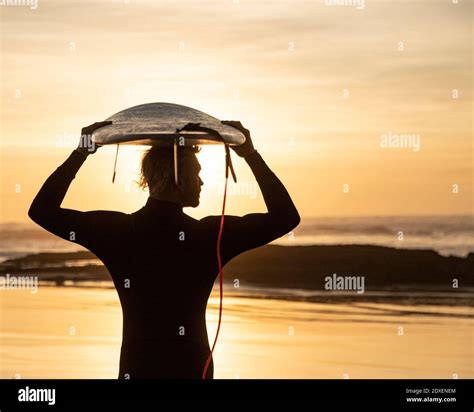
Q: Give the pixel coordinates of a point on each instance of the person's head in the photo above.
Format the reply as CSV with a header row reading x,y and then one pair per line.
x,y
157,174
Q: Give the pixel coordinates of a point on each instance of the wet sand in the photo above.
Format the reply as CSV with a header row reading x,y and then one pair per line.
x,y
74,332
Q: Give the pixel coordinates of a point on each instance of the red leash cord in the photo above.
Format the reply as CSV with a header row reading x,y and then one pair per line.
x,y
221,228
228,166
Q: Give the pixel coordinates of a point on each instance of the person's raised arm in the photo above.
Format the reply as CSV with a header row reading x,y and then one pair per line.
x,y
256,229
279,204
46,210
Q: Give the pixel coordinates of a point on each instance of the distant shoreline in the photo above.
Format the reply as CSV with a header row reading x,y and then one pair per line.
x,y
409,297
283,267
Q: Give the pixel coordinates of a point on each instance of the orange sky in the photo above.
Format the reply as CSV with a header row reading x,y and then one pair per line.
x,y
318,86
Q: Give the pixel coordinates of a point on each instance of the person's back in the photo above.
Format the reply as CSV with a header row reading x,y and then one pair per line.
x,y
162,261
171,261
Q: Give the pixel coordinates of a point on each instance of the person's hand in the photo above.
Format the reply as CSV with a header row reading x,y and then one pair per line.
x,y
86,145
245,149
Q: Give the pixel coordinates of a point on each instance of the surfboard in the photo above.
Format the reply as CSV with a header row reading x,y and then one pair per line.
x,y
156,124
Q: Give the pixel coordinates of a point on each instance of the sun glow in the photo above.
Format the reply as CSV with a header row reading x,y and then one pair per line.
x,y
129,162
212,160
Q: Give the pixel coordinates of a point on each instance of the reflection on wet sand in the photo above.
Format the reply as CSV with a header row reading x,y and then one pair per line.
x,y
75,332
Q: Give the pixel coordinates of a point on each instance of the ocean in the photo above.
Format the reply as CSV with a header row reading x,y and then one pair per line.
x,y
447,235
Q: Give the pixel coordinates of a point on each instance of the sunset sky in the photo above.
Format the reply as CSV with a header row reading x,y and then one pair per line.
x,y
318,86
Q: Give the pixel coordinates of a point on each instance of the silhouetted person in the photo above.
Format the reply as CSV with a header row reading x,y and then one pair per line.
x,y
163,262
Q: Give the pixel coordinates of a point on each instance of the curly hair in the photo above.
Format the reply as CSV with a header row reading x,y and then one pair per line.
x,y
157,166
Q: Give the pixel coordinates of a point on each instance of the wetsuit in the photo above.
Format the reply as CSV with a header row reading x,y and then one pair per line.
x,y
163,264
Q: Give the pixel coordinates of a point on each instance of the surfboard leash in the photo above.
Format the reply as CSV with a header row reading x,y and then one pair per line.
x,y
228,165
115,163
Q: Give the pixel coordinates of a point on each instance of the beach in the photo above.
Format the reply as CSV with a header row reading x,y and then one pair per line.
x,y
413,317
75,332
